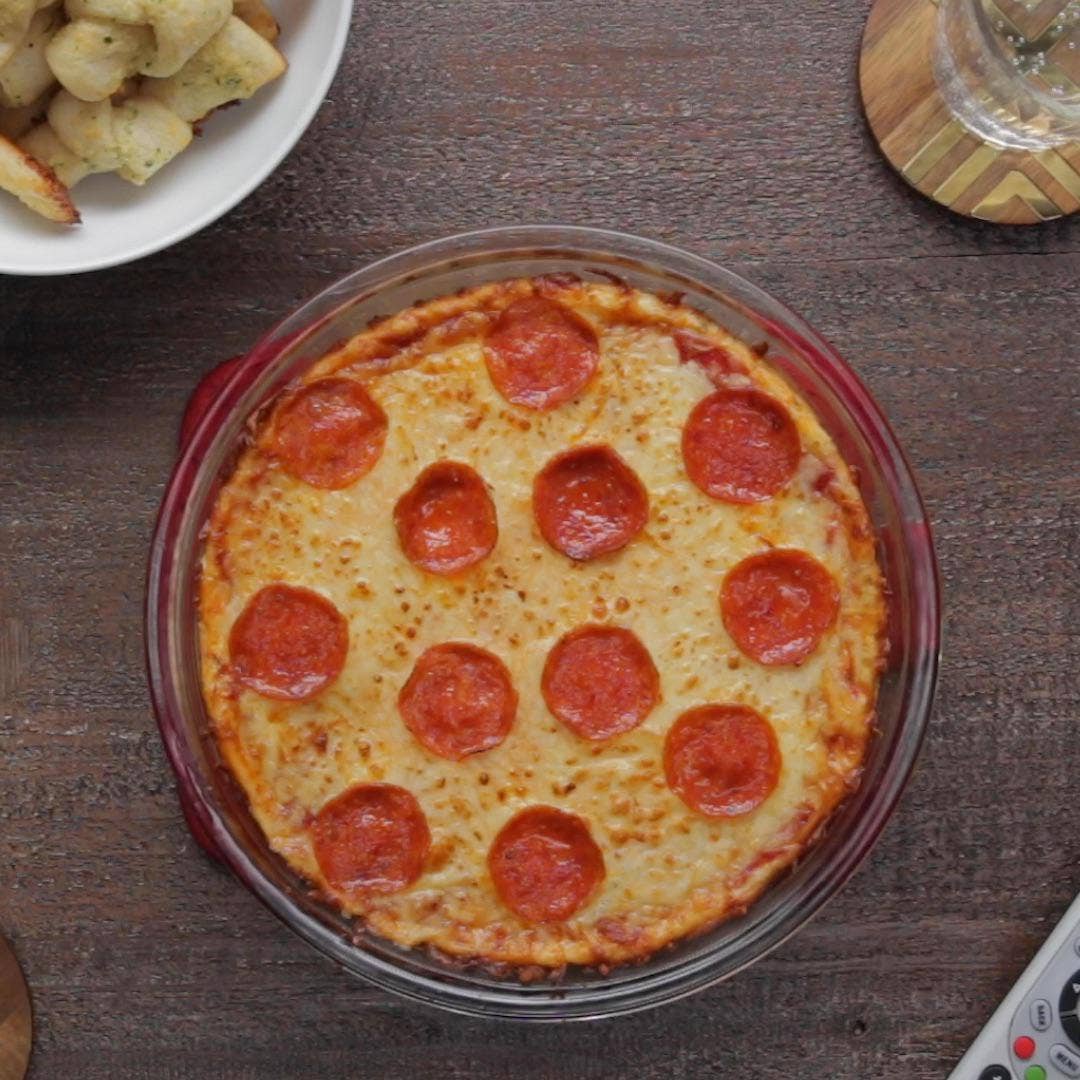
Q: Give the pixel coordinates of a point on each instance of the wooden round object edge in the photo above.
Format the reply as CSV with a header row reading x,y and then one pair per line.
x,y
932,150
16,1017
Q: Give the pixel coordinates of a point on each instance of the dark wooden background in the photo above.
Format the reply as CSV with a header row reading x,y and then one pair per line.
x,y
733,130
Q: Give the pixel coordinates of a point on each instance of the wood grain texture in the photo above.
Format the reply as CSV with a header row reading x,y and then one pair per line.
x,y
16,1020
733,130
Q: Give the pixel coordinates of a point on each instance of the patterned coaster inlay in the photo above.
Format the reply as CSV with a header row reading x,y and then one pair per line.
x,y
934,152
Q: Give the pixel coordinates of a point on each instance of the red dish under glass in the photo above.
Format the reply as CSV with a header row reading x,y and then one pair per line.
x,y
216,425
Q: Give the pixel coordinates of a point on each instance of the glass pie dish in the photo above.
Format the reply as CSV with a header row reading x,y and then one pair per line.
x,y
217,425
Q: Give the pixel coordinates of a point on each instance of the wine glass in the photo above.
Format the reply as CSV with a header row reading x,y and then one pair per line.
x,y
1009,70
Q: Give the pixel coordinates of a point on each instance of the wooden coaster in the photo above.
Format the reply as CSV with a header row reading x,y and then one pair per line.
x,y
935,153
15,1017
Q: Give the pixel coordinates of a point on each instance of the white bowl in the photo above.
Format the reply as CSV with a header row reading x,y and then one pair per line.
x,y
238,149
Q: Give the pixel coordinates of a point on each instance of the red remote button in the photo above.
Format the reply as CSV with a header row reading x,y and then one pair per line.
x,y
1024,1047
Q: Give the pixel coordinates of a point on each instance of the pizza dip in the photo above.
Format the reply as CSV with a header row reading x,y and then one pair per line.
x,y
541,624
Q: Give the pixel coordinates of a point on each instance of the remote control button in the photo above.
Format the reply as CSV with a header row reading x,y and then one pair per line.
x,y
1034,1072
1071,1026
1065,1060
1024,1047
995,1072
1070,994
1042,1015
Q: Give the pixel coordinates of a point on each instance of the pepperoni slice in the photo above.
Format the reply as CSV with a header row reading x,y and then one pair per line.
x,y
778,605
740,446
329,433
722,760
446,520
545,864
459,700
713,359
589,502
372,838
288,643
600,681
539,354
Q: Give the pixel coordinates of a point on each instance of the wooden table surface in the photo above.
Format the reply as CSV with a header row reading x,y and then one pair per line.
x,y
733,130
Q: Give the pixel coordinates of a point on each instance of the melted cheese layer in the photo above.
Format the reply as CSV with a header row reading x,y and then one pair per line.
x,y
670,872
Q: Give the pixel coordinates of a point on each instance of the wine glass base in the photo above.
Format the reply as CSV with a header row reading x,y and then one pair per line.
x,y
932,150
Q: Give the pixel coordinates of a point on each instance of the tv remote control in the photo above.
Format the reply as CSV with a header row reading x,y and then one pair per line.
x,y
1035,1033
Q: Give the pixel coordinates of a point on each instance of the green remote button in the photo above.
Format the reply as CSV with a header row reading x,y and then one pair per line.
x,y
1034,1072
